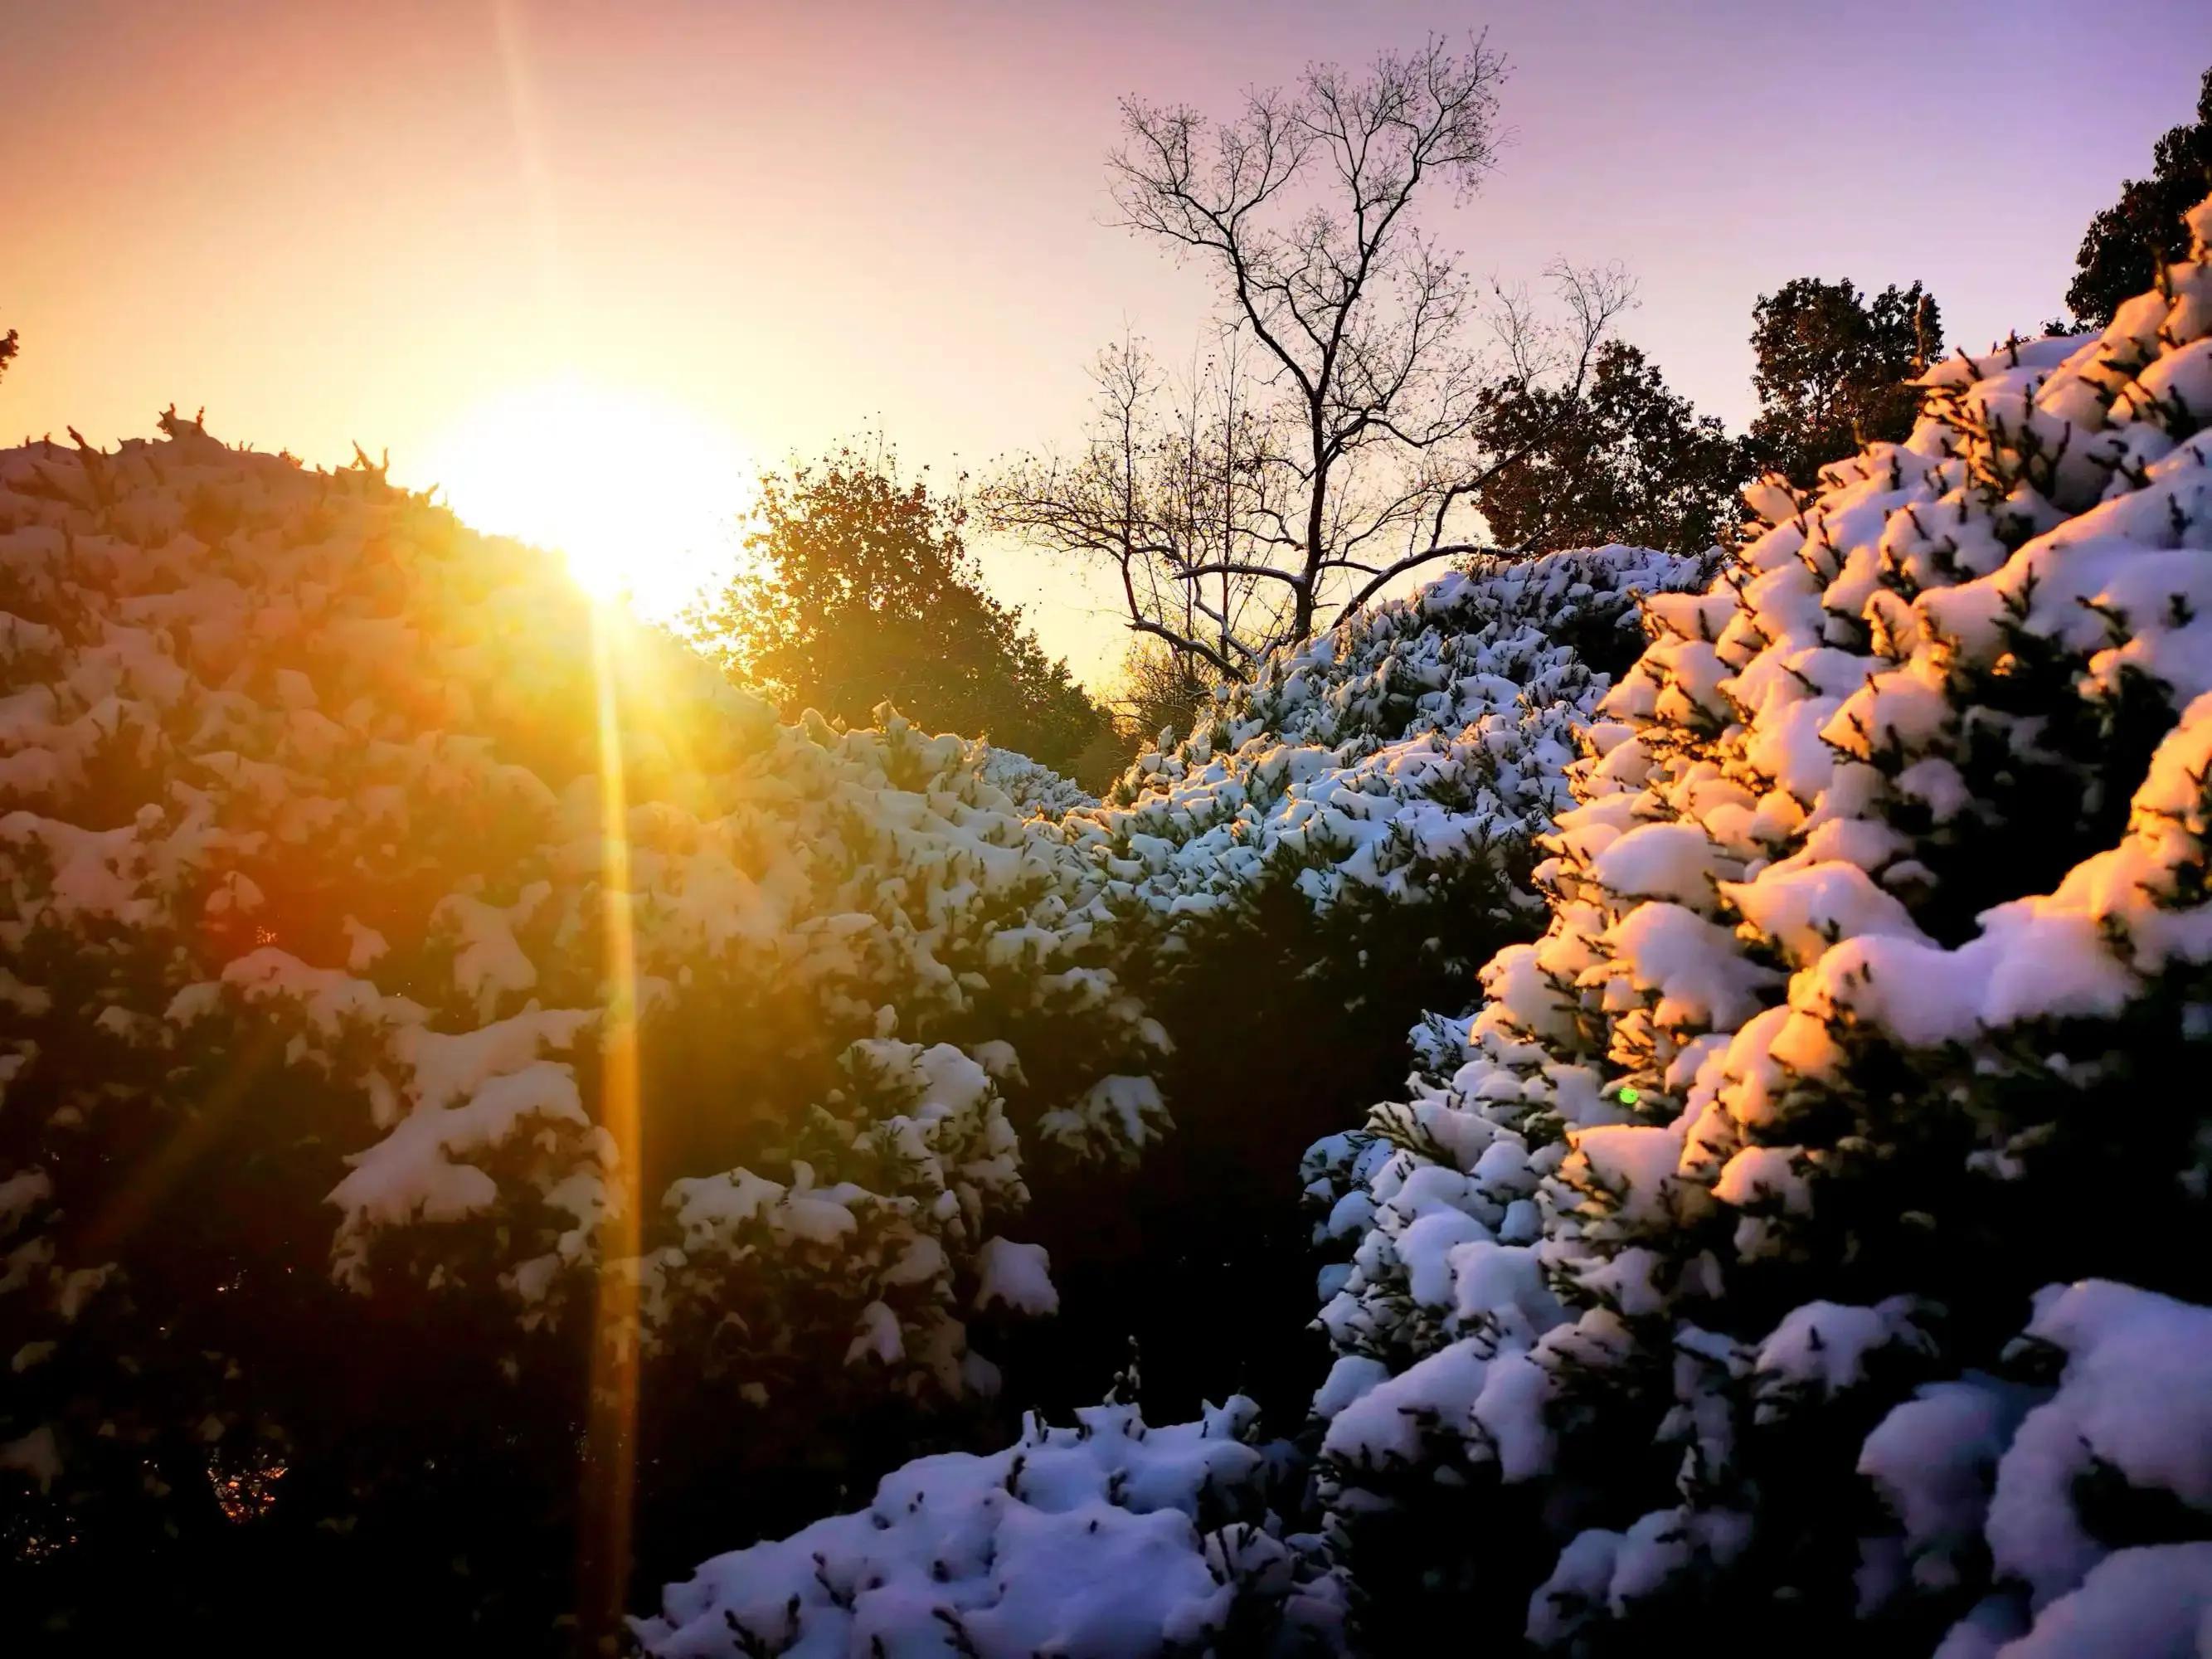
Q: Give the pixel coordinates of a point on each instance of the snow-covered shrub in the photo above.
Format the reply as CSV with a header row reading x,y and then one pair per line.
x,y
1290,885
1104,1538
337,845
2084,1487
1032,786
1867,1032
1329,854
1418,735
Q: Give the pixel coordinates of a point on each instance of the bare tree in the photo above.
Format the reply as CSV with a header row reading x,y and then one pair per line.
x,y
1172,490
1336,442
1160,689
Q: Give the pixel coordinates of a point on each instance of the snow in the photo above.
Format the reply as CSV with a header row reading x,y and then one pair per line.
x,y
1687,960
489,965
1660,861
421,1172
1102,1539
2135,1396
1419,735
1822,1349
2150,1603
1031,788
1807,909
1349,1378
1017,1276
1394,1421
1933,1460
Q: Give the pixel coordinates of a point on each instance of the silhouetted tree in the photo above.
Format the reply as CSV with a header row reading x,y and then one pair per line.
x,y
862,591
7,349
1627,461
1162,689
2130,240
1173,480
1338,444
1833,368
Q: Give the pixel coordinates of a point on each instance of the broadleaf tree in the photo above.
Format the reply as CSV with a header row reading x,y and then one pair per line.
x,y
860,589
2126,244
1627,461
1833,370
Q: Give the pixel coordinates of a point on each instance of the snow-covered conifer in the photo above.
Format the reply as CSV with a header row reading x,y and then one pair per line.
x,y
317,814
1806,1228
1421,735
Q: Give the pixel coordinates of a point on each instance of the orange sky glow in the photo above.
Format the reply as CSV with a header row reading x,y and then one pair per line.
x,y
590,265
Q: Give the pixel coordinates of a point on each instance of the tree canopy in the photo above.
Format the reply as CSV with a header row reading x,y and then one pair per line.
x,y
2129,241
1627,461
860,590
1162,690
1833,368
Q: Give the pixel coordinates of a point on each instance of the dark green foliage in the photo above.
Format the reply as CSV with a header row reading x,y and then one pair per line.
x,y
2127,244
1624,460
418,1446
1287,1020
862,592
1833,368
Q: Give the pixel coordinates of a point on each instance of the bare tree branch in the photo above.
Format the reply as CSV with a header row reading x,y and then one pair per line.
x,y
1343,412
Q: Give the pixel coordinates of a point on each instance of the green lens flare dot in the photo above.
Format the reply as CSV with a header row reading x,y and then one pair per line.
x,y
1628,1096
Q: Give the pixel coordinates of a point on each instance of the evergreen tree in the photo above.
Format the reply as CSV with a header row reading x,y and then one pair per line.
x,y
1327,853
1622,460
424,996
7,349
1808,1228
862,592
1831,370
2126,244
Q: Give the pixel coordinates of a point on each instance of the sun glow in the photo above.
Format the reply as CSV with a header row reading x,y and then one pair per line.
x,y
639,493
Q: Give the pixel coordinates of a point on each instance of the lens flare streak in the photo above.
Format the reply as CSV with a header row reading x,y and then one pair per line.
x,y
610,1451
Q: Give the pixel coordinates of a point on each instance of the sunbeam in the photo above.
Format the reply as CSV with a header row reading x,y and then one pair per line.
x,y
609,1452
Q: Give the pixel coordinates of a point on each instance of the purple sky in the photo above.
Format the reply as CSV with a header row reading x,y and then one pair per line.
x,y
346,221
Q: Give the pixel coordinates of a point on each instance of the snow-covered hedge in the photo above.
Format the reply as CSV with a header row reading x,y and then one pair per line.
x,y
1334,847
1809,1227
316,903
1421,734
1806,1236
1104,1538
1328,854
1334,851
1032,786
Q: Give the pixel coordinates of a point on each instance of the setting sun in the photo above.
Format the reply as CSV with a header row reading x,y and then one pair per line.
x,y
639,493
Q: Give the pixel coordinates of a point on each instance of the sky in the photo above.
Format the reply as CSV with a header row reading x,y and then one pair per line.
x,y
655,245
